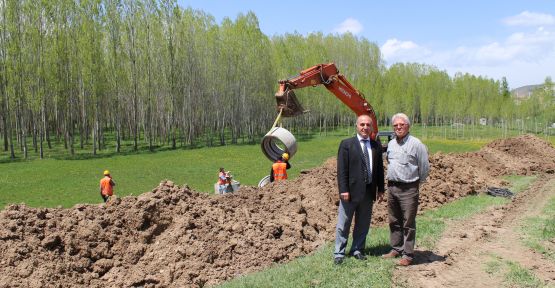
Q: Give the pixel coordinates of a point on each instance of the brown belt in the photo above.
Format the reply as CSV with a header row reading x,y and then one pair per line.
x,y
396,183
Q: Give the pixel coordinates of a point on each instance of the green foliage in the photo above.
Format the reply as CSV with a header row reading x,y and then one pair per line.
x,y
152,71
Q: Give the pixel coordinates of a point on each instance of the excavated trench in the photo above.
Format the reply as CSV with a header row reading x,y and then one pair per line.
x,y
174,236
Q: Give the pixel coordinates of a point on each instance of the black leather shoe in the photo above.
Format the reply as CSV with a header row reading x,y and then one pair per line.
x,y
338,260
359,256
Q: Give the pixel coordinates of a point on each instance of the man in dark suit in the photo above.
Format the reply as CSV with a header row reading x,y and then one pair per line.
x,y
360,177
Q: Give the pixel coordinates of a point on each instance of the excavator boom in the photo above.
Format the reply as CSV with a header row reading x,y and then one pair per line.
x,y
329,76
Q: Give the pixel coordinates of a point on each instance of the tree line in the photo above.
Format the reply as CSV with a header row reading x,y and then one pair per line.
x,y
82,72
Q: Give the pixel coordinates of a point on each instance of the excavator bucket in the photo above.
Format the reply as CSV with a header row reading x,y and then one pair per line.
x,y
289,103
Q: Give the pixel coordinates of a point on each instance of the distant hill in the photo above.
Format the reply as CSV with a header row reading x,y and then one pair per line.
x,y
524,92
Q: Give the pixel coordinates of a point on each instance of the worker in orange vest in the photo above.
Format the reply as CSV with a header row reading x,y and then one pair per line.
x,y
279,168
107,186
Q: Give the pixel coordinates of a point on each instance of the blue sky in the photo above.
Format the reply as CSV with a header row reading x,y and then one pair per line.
x,y
490,38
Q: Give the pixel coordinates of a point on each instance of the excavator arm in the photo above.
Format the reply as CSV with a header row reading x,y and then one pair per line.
x,y
329,76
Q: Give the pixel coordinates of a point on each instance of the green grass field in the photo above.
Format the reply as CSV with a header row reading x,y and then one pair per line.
x,y
64,181
53,182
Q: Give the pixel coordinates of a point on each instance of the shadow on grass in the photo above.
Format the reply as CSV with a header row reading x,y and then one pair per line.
x,y
304,137
377,250
127,148
140,151
145,150
10,160
420,257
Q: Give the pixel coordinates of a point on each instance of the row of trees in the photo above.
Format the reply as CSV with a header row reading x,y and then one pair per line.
x,y
149,70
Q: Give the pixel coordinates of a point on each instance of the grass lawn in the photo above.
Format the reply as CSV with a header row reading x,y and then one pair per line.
x,y
64,181
53,182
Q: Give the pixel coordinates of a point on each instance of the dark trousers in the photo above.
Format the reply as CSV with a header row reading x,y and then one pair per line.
x,y
104,197
402,203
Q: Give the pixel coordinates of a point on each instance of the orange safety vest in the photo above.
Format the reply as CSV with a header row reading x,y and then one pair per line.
x,y
106,186
280,170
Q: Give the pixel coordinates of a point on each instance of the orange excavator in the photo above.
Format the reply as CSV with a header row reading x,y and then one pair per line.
x,y
288,106
329,76
278,140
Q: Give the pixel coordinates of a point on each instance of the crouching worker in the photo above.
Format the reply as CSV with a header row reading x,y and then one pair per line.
x,y
279,168
222,180
107,186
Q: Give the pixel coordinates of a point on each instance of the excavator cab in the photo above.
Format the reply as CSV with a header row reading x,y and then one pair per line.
x,y
383,137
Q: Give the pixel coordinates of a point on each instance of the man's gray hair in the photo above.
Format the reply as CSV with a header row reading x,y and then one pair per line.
x,y
402,116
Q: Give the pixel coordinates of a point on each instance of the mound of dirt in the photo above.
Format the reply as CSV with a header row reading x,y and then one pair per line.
x,y
174,236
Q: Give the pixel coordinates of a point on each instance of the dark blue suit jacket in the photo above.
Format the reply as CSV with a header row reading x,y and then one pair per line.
x,y
350,169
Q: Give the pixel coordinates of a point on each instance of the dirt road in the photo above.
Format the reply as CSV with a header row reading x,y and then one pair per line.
x,y
175,236
495,235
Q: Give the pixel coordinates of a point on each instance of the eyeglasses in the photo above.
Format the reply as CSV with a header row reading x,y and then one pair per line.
x,y
399,125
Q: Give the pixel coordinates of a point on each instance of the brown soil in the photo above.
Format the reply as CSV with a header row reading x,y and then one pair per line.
x,y
174,236
460,257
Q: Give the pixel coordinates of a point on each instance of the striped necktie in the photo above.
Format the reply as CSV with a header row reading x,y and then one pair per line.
x,y
368,178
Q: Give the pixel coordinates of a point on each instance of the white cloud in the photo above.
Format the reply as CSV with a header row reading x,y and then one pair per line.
x,y
493,53
523,57
527,18
349,25
541,36
521,46
402,51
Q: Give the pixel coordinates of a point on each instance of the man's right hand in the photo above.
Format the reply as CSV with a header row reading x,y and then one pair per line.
x,y
345,196
379,197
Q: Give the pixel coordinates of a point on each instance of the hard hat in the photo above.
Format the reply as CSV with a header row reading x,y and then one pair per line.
x,y
285,156
106,172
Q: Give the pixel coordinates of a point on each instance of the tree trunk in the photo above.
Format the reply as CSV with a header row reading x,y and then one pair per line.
x,y
95,132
